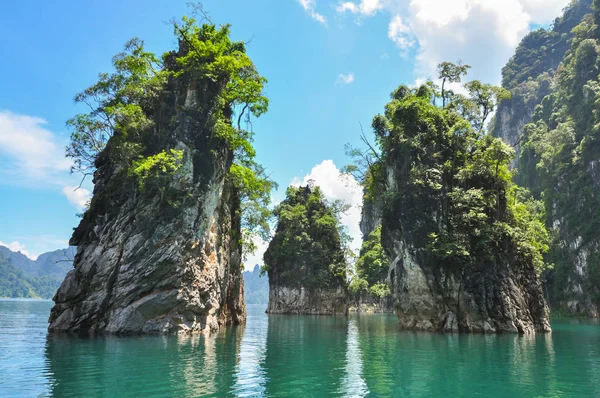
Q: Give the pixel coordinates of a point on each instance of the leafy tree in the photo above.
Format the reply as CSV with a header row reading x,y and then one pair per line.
x,y
307,248
127,114
485,97
453,195
451,73
372,265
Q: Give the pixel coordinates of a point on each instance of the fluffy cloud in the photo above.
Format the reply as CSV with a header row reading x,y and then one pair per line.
x,y
29,149
336,186
18,247
400,33
345,78
365,7
309,6
77,196
483,33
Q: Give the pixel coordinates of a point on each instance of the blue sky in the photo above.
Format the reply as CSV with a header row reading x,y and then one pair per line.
x,y
330,64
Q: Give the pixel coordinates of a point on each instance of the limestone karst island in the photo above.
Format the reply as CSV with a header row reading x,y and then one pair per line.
x,y
300,198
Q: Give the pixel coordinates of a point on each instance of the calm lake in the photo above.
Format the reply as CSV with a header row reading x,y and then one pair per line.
x,y
308,356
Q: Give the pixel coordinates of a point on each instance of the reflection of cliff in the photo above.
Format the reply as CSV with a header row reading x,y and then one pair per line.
x,y
140,367
250,376
305,356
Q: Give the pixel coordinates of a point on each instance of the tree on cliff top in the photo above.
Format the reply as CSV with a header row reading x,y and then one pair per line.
x,y
453,193
125,109
307,248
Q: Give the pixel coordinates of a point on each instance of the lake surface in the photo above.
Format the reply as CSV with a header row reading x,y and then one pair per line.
x,y
309,356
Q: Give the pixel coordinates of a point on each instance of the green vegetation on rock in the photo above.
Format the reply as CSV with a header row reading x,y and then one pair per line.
x,y
307,249
372,267
452,185
560,160
129,108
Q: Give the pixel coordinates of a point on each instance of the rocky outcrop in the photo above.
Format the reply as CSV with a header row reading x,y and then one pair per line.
x,y
501,297
568,182
370,216
299,300
363,301
166,260
305,261
459,259
528,74
367,303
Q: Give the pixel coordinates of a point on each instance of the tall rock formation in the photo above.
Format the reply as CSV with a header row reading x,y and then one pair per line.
x,y
370,288
528,74
164,257
464,255
305,261
552,116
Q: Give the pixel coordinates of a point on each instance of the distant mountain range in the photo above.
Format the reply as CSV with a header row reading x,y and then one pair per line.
x,y
23,277
256,288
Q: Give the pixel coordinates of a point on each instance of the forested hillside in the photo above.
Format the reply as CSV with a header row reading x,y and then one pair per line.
x,y
553,119
21,277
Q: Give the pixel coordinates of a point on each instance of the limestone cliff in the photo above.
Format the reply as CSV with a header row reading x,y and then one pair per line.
x,y
369,291
464,255
161,258
550,80
528,74
493,294
305,261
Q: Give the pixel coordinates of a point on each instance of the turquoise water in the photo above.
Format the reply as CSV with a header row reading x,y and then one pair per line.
x,y
295,356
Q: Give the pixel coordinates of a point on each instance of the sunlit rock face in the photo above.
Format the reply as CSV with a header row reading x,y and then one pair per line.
x,y
370,219
305,261
300,300
499,294
146,264
533,76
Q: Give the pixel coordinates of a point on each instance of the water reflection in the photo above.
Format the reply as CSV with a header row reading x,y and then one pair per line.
x,y
353,384
250,377
296,356
305,355
187,366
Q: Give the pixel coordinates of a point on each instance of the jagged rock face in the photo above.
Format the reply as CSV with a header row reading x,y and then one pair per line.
x,y
143,265
298,300
503,294
305,261
370,217
573,293
367,303
572,285
498,298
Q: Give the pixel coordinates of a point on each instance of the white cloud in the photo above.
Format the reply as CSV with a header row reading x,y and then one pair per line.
x,y
29,149
400,33
18,247
346,78
482,33
77,196
365,7
256,257
309,6
544,10
336,186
